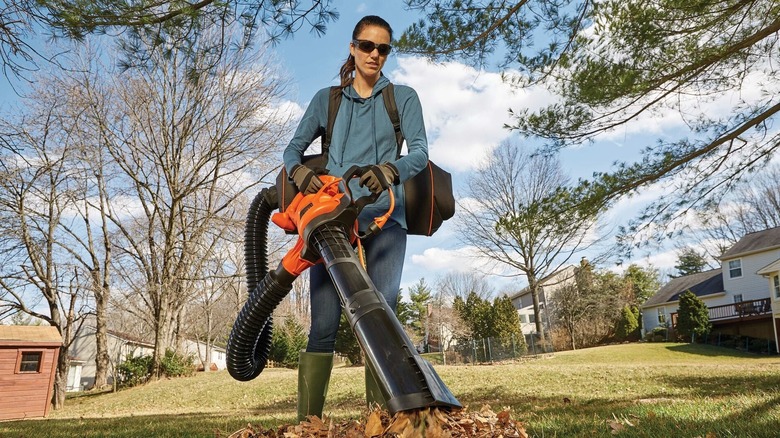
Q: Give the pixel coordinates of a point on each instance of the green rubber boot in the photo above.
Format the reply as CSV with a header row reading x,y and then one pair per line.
x,y
313,377
374,394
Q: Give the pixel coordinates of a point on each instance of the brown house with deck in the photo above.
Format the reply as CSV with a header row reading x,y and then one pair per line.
x,y
28,363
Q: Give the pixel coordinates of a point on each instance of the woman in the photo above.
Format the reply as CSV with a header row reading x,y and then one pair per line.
x,y
362,135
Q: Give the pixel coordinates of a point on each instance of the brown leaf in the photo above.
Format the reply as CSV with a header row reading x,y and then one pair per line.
x,y
504,417
399,424
374,424
616,427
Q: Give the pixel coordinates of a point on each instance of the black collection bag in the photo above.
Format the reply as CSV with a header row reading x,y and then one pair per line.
x,y
428,195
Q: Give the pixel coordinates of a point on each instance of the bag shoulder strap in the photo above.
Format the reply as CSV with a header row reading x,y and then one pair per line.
x,y
392,110
333,109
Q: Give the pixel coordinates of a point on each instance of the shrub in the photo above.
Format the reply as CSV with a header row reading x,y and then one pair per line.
x,y
134,371
138,370
286,343
627,324
174,364
657,334
692,317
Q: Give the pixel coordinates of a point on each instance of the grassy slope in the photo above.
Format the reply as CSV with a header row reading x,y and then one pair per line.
x,y
639,390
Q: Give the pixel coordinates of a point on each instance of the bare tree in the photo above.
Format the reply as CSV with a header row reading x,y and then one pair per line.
x,y
460,284
754,206
189,134
508,220
36,191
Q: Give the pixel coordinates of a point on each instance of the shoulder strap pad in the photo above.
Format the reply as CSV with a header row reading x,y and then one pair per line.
x,y
333,109
392,110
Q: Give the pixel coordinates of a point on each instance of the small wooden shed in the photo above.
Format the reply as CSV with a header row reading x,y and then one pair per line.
x,y
28,363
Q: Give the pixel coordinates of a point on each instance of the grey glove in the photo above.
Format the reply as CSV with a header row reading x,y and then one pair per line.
x,y
305,179
379,177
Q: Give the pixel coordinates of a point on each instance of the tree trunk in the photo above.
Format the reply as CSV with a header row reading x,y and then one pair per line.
x,y
101,340
537,313
61,378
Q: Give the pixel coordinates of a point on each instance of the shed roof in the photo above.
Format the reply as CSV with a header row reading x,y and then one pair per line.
x,y
32,334
701,284
753,242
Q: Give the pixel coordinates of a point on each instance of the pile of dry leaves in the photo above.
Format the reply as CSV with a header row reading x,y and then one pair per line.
x,y
428,423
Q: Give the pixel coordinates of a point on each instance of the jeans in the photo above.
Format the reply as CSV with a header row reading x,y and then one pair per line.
x,y
385,254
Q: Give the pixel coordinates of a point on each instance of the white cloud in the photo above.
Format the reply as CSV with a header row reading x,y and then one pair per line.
x,y
465,109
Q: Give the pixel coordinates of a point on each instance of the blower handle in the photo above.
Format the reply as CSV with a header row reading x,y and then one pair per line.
x,y
356,171
376,226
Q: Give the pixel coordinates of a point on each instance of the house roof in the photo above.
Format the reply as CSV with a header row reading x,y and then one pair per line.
x,y
31,334
770,268
701,284
127,337
753,242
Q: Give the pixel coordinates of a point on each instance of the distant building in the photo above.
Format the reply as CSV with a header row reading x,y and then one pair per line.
x,y
523,300
83,352
741,296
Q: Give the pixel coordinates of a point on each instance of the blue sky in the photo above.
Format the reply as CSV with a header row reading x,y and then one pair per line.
x,y
465,110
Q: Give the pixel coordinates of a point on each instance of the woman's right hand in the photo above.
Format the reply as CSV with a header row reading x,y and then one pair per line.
x,y
305,179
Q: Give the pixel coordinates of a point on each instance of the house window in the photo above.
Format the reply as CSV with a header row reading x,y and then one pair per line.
x,y
735,268
776,284
523,319
737,298
662,316
30,362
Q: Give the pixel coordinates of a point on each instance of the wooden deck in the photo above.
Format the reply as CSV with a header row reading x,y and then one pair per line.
x,y
744,310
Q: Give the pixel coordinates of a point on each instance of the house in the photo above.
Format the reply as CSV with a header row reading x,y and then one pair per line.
x,y
523,300
28,364
772,273
737,294
198,348
83,352
657,310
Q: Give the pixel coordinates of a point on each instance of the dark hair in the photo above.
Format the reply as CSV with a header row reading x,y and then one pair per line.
x,y
345,73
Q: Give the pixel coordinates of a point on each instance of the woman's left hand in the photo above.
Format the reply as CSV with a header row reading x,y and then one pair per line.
x,y
379,177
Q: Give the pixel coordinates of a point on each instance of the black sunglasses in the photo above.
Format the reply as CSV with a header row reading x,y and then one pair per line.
x,y
369,46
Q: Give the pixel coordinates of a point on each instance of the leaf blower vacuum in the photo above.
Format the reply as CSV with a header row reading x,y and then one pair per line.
x,y
326,225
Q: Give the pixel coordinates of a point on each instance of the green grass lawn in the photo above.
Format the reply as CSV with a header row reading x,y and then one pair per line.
x,y
632,390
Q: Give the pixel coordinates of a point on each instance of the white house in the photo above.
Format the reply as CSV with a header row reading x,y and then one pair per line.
x,y
772,273
737,294
657,310
83,352
198,349
523,300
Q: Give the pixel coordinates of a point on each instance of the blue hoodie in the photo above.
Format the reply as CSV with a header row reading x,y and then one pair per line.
x,y
362,135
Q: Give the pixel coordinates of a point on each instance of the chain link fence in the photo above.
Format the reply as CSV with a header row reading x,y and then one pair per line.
x,y
487,350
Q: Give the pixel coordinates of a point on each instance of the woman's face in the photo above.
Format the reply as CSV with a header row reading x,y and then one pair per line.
x,y
368,65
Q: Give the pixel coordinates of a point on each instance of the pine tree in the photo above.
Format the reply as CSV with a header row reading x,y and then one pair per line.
x,y
628,323
689,261
506,323
347,344
693,318
421,295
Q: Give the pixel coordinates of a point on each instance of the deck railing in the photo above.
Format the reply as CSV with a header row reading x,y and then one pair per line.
x,y
742,309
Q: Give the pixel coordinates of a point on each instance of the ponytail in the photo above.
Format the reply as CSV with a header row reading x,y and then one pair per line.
x,y
345,73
